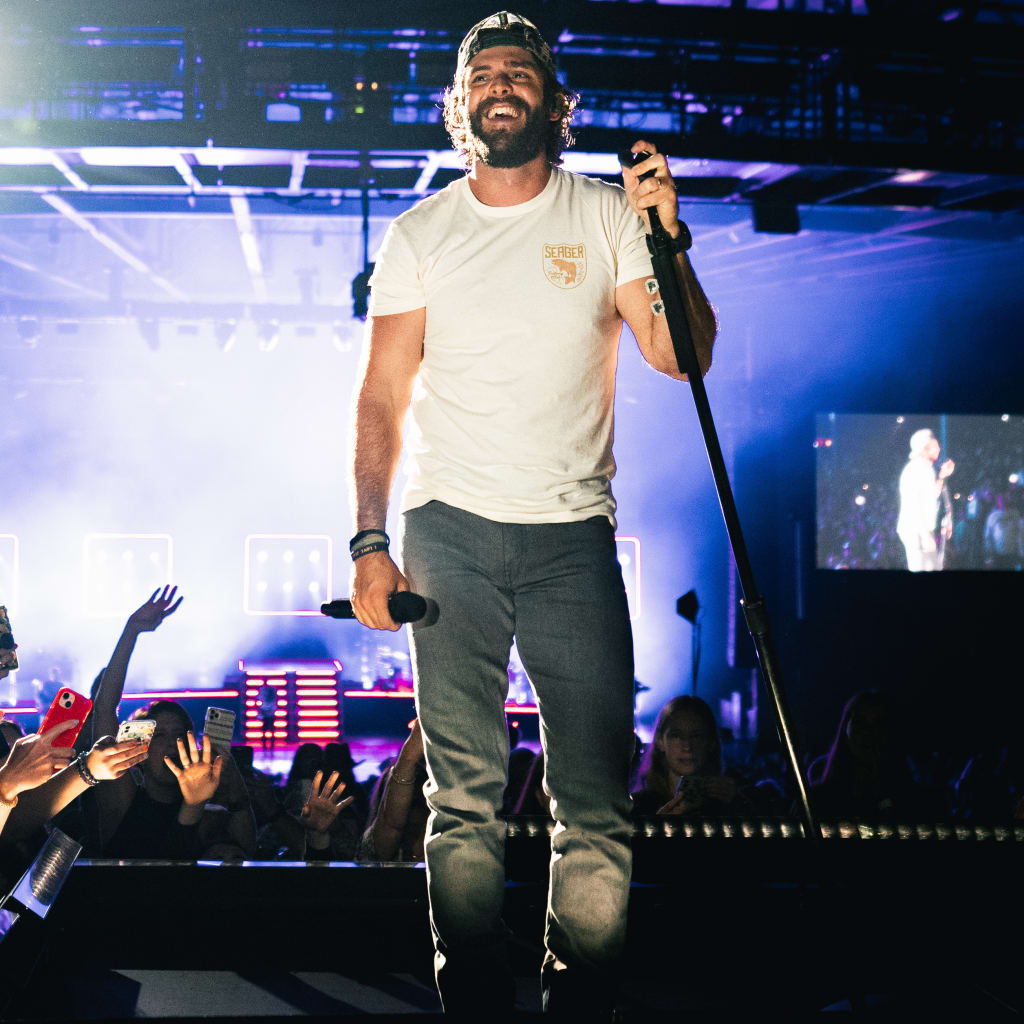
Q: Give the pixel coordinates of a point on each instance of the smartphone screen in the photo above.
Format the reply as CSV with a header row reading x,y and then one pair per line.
x,y
67,704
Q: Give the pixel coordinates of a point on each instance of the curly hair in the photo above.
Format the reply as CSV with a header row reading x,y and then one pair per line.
x,y
556,97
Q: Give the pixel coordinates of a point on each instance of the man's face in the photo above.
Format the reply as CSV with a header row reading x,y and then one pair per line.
x,y
931,450
508,118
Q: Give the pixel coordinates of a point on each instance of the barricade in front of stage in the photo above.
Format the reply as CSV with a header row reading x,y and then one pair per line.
x,y
736,914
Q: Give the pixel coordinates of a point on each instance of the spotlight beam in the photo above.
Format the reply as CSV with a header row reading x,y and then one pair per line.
x,y
299,161
64,282
250,245
69,172
63,207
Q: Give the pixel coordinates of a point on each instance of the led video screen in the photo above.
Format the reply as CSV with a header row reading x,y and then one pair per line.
x,y
920,493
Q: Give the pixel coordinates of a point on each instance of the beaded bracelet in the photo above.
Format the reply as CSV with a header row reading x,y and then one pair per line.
x,y
83,769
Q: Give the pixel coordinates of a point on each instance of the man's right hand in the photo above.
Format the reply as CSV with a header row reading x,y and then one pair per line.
x,y
375,577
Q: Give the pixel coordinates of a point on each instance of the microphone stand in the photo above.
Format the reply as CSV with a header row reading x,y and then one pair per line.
x,y
754,609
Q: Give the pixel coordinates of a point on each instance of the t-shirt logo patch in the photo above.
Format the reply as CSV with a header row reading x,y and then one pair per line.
x,y
565,265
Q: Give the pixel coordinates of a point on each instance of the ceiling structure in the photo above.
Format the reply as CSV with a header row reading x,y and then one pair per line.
x,y
163,157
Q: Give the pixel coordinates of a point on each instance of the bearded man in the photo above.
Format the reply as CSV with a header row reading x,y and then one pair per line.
x,y
496,310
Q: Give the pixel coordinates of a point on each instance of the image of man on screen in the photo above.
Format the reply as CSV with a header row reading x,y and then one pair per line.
x,y
921,489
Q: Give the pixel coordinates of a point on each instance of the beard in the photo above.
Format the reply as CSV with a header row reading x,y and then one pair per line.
x,y
501,147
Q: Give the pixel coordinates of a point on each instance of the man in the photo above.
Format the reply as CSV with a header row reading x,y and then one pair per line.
x,y
496,309
920,490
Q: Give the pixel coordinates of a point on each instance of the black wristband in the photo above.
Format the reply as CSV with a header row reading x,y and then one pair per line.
x,y
681,243
368,549
367,533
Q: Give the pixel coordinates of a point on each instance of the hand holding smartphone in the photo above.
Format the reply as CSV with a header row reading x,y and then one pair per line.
x,y
138,731
66,705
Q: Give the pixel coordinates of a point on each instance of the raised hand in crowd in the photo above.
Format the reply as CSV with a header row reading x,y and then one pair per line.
x,y
198,777
59,780
396,829
32,761
146,618
151,613
326,801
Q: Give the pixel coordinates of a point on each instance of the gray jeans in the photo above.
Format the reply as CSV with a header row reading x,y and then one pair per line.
x,y
557,588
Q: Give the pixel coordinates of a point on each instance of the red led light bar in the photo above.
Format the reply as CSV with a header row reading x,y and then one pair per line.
x,y
179,694
408,694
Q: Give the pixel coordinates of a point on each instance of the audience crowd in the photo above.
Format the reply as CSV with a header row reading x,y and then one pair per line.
x,y
181,797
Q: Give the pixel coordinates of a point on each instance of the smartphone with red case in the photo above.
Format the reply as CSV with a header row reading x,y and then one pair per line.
x,y
67,704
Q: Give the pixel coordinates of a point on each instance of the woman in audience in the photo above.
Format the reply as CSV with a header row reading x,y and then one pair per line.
x,y
398,810
157,813
866,774
682,770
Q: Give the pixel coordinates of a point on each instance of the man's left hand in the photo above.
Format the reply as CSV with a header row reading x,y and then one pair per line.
x,y
658,191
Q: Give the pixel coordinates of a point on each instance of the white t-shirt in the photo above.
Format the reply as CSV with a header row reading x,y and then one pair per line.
x,y
919,499
511,415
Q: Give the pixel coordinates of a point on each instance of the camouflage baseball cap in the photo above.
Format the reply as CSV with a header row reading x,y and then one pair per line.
x,y
505,29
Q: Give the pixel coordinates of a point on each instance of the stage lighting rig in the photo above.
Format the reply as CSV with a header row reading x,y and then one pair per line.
x,y
689,608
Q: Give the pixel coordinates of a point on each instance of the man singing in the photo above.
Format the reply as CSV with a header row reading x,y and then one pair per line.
x,y
496,311
920,491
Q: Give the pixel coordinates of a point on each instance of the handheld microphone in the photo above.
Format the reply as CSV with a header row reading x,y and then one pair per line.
x,y
627,158
403,606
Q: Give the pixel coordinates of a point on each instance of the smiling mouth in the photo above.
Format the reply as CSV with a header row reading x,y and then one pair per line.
x,y
501,112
